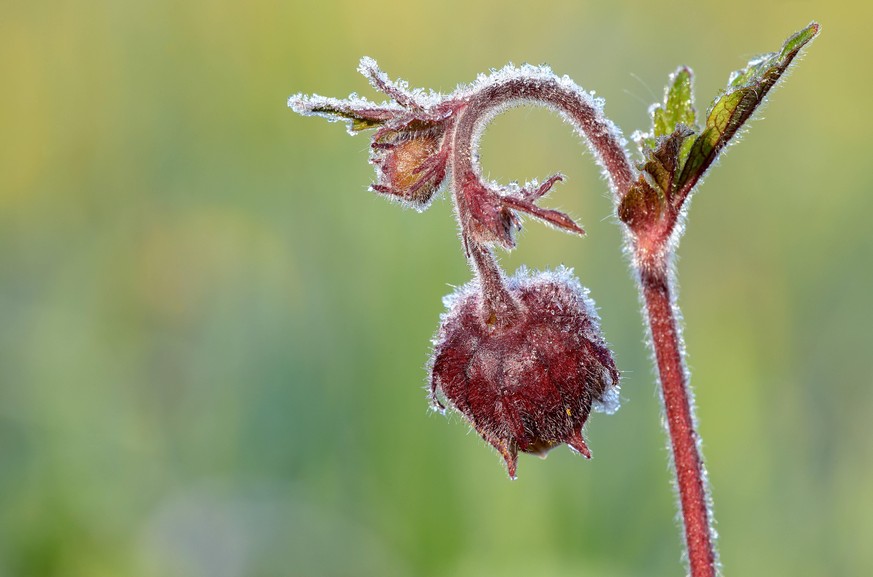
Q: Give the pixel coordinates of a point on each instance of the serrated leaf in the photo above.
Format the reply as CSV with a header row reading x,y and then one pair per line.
x,y
746,90
754,68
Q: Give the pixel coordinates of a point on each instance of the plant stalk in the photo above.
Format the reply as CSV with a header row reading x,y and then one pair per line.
x,y
499,308
662,315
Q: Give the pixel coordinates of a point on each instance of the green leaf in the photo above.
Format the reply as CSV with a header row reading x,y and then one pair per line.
x,y
677,153
677,109
746,90
755,67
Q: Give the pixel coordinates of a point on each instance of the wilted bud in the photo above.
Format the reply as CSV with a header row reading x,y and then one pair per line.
x,y
528,386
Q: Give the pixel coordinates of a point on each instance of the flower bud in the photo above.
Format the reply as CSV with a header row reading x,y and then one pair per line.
x,y
530,385
410,163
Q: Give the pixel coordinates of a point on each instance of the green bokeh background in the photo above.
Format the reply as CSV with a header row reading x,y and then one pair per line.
x,y
212,338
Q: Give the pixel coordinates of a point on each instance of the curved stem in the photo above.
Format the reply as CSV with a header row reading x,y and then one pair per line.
x,y
476,110
662,316
568,99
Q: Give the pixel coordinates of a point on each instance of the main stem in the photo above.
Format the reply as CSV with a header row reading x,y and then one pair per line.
x,y
661,314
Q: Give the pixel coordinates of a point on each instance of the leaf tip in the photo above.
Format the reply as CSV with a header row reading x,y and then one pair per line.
x,y
801,38
682,73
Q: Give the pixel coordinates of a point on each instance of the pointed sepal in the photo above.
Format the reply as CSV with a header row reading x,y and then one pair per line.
x,y
577,443
359,113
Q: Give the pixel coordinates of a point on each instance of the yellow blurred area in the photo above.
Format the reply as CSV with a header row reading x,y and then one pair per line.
x,y
213,337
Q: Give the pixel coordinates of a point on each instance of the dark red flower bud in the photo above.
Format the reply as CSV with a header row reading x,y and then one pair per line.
x,y
530,385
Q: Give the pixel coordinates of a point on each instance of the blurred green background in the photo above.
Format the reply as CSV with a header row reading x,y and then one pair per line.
x,y
213,339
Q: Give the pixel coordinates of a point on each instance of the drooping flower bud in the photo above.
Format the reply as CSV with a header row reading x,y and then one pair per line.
x,y
410,149
528,386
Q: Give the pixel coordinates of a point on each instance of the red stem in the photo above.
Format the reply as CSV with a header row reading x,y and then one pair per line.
x,y
678,405
499,308
601,135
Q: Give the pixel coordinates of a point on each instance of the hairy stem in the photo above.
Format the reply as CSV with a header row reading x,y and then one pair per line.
x,y
499,307
578,107
661,314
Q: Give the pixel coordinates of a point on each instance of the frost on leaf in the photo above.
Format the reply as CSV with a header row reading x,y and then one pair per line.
x,y
745,92
677,153
677,108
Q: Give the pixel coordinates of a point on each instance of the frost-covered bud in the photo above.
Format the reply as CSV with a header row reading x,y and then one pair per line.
x,y
528,386
411,163
410,149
